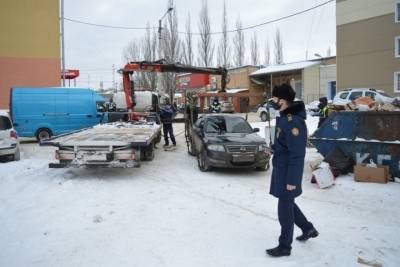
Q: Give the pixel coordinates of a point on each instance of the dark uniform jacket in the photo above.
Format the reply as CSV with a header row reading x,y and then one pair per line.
x,y
289,151
167,113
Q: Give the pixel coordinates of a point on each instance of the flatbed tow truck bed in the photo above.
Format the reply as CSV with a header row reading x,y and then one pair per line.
x,y
112,145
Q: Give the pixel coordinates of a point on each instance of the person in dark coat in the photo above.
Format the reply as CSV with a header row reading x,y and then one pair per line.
x,y
323,110
288,162
167,113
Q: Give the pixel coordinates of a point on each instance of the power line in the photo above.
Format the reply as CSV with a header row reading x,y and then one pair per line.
x,y
197,33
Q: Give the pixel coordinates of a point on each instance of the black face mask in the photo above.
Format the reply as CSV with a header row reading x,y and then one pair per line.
x,y
275,105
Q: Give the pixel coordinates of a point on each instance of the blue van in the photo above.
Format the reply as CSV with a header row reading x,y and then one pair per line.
x,y
44,112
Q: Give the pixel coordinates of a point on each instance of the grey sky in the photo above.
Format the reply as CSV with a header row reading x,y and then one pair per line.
x,y
94,50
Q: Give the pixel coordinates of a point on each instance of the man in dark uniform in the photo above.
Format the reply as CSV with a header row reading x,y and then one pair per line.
x,y
167,114
288,162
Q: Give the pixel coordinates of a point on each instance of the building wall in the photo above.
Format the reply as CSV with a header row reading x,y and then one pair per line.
x,y
29,45
328,74
311,84
366,32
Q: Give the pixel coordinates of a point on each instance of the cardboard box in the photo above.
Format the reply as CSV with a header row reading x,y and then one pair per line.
x,y
380,174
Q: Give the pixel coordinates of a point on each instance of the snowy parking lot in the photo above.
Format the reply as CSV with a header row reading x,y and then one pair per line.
x,y
168,213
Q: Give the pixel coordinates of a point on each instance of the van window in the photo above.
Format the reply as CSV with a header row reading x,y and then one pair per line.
x,y
355,95
5,123
344,95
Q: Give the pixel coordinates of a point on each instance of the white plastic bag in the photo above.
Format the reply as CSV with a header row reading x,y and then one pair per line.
x,y
324,176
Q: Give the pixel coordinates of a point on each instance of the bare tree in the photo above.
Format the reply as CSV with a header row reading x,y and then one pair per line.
x,y
187,47
278,48
238,43
224,51
149,46
132,51
206,48
254,52
267,54
170,48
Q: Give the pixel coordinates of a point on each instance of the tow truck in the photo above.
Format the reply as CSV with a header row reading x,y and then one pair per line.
x,y
125,143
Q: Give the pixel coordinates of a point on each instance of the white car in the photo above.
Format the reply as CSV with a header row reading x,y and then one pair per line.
x,y
346,96
9,143
265,111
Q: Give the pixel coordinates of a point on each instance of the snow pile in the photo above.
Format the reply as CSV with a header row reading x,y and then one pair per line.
x,y
168,213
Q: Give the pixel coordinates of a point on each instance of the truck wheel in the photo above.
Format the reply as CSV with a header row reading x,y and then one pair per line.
x,y
148,153
264,116
204,166
42,134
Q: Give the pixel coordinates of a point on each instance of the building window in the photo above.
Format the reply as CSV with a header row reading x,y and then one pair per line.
x,y
397,46
397,82
397,12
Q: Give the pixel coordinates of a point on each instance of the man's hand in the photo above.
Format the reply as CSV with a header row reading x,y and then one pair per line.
x,y
290,187
269,152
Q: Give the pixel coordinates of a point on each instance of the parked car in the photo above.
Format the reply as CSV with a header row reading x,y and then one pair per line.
x,y
228,141
9,143
346,96
227,107
44,112
266,112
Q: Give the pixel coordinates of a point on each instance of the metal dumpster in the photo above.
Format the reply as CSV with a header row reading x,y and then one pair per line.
x,y
363,135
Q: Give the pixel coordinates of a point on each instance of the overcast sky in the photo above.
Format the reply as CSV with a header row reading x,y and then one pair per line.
x,y
93,50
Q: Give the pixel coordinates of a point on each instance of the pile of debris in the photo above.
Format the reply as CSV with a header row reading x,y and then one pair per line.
x,y
366,103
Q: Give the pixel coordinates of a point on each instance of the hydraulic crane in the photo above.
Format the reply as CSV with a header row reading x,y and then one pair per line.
x,y
163,66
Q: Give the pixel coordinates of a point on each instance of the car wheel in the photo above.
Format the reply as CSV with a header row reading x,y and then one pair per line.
x,y
191,148
17,155
264,116
202,162
43,134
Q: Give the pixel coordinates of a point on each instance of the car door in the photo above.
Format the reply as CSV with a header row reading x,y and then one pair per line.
x,y
5,129
198,134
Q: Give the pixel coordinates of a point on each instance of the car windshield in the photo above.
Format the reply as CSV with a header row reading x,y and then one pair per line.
x,y
223,124
5,123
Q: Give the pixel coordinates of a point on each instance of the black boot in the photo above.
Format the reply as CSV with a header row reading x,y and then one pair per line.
x,y
312,233
278,251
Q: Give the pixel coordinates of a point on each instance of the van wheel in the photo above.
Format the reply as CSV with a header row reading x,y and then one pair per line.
x,y
43,134
264,116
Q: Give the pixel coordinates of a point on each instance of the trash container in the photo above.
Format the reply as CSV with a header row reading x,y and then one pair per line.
x,y
363,136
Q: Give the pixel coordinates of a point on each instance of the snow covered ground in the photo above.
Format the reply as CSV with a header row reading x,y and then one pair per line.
x,y
168,213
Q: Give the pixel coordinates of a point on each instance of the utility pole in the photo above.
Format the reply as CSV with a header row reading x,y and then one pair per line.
x,y
88,80
62,43
113,78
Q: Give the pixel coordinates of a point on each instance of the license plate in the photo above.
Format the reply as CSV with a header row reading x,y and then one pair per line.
x,y
243,158
95,157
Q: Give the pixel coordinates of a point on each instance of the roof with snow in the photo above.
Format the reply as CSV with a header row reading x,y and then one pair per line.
x,y
285,67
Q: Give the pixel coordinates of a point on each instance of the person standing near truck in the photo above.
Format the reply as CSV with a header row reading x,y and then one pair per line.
x,y
167,113
288,162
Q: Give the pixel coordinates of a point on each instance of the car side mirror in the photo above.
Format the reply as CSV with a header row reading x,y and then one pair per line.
x,y
256,130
